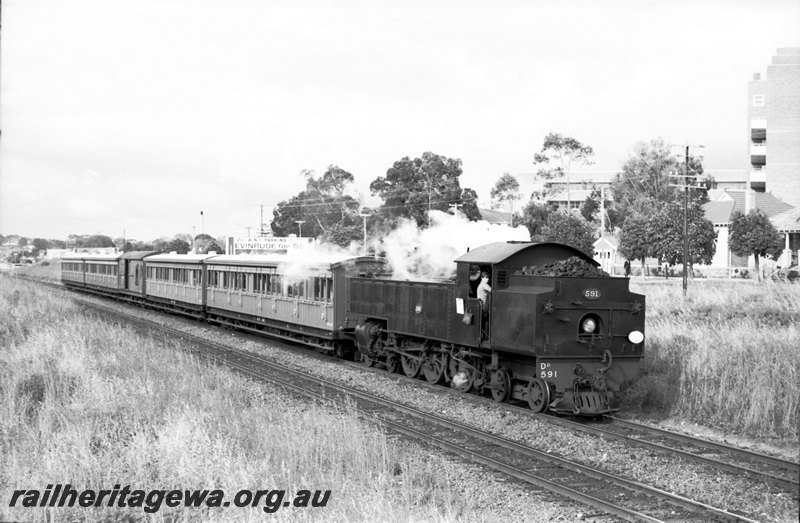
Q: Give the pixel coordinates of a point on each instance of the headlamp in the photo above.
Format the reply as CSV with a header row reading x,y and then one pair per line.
x,y
588,326
636,337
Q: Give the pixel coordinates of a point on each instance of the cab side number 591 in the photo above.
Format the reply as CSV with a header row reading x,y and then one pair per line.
x,y
591,294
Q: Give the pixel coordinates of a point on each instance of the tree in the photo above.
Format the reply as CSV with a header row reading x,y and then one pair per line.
x,y
213,247
412,188
534,217
569,229
201,242
22,242
591,205
140,246
469,204
753,233
667,238
177,245
644,185
560,156
343,235
634,238
323,205
40,244
96,241
506,189
160,245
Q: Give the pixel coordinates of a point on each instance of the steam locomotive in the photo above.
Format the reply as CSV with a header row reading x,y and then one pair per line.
x,y
563,341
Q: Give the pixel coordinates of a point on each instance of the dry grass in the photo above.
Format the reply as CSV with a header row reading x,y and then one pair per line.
x,y
94,405
48,270
727,356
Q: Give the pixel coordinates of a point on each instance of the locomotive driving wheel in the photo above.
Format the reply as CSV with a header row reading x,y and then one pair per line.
x,y
411,366
501,385
433,367
366,360
462,374
538,395
392,363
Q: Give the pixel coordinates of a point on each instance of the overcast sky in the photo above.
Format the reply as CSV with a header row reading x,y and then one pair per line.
x,y
135,115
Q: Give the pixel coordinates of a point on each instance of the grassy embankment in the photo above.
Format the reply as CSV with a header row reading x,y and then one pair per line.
x,y
728,356
95,405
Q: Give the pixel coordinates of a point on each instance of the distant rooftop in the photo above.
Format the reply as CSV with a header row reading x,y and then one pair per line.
x,y
495,216
788,221
719,211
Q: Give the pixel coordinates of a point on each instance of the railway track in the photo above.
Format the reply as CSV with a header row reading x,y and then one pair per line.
x,y
776,471
608,495
782,474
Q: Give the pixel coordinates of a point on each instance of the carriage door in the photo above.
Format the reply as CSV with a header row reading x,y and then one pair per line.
x,y
133,276
122,274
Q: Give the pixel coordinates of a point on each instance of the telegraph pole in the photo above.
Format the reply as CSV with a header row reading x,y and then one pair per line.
x,y
300,226
686,222
686,186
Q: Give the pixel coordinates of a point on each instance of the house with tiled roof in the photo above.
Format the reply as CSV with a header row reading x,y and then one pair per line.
x,y
720,210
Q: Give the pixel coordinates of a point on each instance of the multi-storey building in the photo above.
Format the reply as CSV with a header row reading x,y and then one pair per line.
x,y
774,127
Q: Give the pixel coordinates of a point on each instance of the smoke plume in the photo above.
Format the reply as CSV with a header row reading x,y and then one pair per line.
x,y
428,254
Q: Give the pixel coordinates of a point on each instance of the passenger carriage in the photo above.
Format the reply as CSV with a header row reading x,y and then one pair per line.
x,y
294,297
177,281
91,271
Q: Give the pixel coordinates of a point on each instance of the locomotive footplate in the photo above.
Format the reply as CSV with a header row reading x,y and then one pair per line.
x,y
579,387
584,403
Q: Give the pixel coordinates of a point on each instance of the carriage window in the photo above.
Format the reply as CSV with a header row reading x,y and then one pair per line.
x,y
262,283
238,281
215,279
181,275
323,289
276,284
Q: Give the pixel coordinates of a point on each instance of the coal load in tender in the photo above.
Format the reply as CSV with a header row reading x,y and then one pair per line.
x,y
571,267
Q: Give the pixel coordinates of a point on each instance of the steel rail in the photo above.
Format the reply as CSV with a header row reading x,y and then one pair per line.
x,y
790,466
